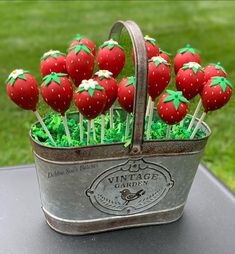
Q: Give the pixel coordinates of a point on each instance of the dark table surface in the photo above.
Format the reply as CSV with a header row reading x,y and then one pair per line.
x,y
207,226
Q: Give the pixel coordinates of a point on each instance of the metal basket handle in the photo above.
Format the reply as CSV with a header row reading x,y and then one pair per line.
x,y
141,74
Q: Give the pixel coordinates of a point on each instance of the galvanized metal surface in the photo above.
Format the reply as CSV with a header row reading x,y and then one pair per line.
x,y
106,187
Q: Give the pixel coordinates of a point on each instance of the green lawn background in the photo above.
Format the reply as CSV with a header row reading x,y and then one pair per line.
x,y
28,29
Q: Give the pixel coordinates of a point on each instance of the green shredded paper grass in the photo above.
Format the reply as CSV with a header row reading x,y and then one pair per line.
x,y
55,126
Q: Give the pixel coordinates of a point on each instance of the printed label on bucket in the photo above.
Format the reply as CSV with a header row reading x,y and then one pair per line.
x,y
130,188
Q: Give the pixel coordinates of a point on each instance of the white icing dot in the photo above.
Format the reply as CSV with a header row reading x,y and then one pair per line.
x,y
124,98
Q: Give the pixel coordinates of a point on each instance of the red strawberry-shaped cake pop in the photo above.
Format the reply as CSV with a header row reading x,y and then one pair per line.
x,y
105,79
111,57
172,107
151,47
126,93
53,61
185,55
80,63
159,75
213,70
90,98
22,89
57,91
165,55
216,93
87,42
190,79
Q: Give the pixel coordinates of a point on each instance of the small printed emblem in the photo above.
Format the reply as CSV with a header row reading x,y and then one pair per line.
x,y
130,187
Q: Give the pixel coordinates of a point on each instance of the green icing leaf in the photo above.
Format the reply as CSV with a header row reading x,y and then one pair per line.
x,y
110,45
99,87
223,82
81,89
195,69
176,103
53,77
78,37
188,48
157,62
91,91
162,51
151,40
219,67
131,81
12,80
53,55
176,97
183,99
22,77
56,79
80,47
48,81
169,98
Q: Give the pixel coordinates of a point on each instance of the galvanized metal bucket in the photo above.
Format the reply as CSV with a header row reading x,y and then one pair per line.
x,y
106,187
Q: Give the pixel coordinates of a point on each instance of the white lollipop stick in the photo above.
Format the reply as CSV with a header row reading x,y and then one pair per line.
x,y
93,129
102,128
66,129
195,114
168,132
88,131
198,125
147,110
44,127
111,117
127,125
182,123
151,106
81,126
